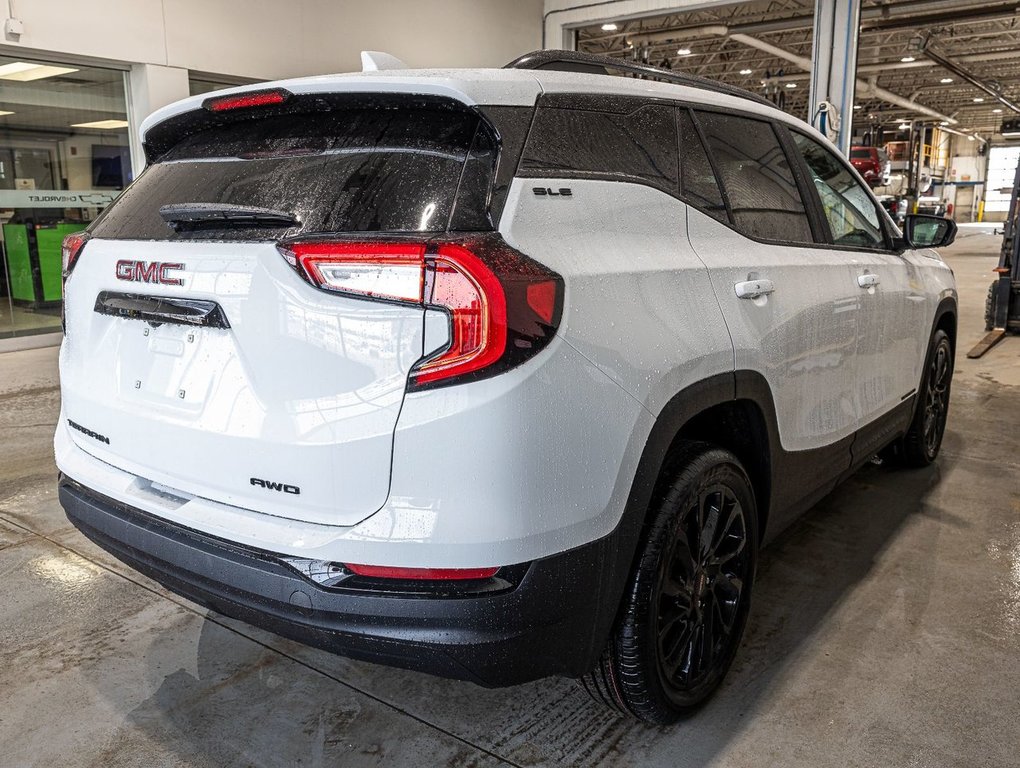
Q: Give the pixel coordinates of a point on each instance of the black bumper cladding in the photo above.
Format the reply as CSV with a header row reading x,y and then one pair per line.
x,y
549,623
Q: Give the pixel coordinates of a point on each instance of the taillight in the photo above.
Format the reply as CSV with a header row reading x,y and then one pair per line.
x,y
70,250
246,100
428,574
503,307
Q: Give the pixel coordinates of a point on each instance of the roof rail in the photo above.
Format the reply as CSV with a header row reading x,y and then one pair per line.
x,y
575,61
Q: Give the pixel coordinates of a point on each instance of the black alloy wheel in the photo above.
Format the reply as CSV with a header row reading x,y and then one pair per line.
x,y
920,446
687,601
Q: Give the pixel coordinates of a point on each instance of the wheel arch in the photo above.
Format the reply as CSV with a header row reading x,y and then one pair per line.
x,y
742,403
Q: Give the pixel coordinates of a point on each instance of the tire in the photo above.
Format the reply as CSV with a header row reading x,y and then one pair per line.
x,y
683,613
920,446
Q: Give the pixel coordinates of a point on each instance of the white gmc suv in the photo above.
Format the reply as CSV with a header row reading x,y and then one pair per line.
x,y
496,374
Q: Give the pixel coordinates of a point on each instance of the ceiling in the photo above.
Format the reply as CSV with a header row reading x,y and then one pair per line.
x,y
983,37
46,108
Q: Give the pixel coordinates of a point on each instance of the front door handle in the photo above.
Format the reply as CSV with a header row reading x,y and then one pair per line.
x,y
752,289
868,280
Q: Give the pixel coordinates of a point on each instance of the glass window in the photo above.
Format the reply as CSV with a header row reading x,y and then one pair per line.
x,y
63,157
849,208
347,169
698,183
757,177
577,143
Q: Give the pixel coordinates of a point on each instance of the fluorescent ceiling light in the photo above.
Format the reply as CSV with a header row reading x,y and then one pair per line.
x,y
791,85
997,111
22,71
4,113
104,124
943,123
978,99
908,59
857,106
970,138
946,80
904,127
683,52
609,27
746,71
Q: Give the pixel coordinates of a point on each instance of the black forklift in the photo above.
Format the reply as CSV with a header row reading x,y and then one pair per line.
x,y
1002,307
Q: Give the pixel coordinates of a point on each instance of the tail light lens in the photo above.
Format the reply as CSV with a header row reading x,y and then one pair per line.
x,y
70,250
503,307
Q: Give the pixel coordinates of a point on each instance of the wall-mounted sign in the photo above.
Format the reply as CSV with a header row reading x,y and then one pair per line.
x,y
43,198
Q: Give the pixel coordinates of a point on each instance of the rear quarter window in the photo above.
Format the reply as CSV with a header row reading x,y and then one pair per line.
x,y
637,145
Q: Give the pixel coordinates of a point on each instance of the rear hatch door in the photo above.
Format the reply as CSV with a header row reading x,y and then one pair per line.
x,y
199,359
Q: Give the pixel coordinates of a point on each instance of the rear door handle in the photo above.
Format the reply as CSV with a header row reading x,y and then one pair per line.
x,y
868,280
752,289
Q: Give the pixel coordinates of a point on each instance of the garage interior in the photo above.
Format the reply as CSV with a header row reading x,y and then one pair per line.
x,y
886,622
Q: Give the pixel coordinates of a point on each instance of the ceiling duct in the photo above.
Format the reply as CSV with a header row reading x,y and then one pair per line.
x,y
966,74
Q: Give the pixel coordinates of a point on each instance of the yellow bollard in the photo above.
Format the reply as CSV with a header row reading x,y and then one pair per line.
x,y
981,211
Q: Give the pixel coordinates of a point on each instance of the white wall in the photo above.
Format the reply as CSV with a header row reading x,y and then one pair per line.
x,y
160,41
268,39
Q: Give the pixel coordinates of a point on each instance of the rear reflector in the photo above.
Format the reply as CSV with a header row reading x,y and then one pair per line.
x,y
503,307
245,100
424,574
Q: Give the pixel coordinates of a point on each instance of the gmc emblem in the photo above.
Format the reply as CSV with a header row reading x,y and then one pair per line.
x,y
149,271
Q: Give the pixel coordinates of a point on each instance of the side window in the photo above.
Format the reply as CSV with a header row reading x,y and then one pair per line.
x,y
639,145
849,208
698,183
757,177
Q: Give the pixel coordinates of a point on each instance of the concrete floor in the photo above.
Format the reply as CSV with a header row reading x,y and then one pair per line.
x,y
886,631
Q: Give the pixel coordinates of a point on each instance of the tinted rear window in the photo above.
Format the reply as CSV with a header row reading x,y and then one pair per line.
x,y
637,145
860,154
757,176
362,169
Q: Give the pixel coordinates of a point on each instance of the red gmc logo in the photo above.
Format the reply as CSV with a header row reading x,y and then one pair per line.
x,y
149,271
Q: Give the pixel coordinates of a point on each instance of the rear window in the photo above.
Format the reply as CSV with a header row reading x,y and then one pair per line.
x,y
860,154
366,168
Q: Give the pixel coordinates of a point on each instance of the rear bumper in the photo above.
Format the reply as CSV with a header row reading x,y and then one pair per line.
x,y
551,622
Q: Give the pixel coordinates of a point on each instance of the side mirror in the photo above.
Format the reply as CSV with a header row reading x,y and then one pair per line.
x,y
923,231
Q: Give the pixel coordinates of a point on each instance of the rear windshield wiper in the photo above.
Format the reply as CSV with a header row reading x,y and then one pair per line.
x,y
182,215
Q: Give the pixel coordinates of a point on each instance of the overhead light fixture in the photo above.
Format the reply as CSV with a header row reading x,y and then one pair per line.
x,y
908,59
903,127
946,80
683,52
944,123
4,113
978,99
107,125
791,85
970,138
997,111
610,27
746,71
858,106
23,71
